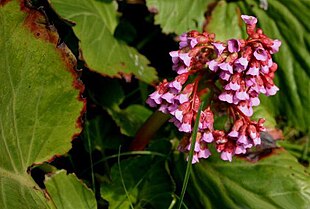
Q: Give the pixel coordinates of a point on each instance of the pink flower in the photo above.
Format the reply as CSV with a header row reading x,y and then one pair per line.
x,y
151,102
196,148
227,156
241,64
168,97
178,115
230,75
185,58
207,137
176,85
242,95
204,153
265,69
275,47
226,67
164,108
254,101
156,97
175,56
206,120
253,71
182,98
261,54
185,127
245,109
254,134
226,97
249,20
233,45
225,76
271,90
240,149
195,158
219,48
193,42
183,40
213,65
233,133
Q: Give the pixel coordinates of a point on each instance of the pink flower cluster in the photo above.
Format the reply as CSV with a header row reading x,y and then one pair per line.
x,y
231,74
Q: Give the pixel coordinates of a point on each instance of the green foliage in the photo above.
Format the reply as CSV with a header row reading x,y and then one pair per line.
x,y
277,181
68,192
145,179
130,119
225,21
181,16
39,108
95,25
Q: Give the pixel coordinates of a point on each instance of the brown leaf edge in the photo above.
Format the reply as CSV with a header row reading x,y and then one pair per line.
x,y
40,27
3,2
38,24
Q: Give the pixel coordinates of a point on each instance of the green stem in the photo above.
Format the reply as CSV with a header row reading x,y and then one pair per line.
x,y
122,179
190,157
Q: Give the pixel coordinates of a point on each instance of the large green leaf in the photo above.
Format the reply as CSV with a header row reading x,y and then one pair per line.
x,y
286,21
179,16
68,192
38,105
95,25
278,181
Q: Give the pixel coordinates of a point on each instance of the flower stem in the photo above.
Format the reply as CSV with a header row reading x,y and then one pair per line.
x,y
147,130
190,155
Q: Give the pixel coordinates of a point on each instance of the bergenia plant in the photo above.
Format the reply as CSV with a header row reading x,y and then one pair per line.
x,y
229,75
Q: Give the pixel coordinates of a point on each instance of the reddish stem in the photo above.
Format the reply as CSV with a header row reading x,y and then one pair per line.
x,y
148,130
241,113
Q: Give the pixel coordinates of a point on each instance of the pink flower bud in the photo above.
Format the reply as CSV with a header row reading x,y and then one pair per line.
x,y
249,20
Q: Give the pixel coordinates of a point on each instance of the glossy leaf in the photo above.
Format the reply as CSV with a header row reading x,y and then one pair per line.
x,y
179,16
68,192
39,106
95,23
278,181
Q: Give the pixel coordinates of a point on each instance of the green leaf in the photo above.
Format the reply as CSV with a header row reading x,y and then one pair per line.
x,y
285,21
147,182
68,192
38,105
299,148
179,17
277,181
262,111
95,25
225,21
131,118
98,135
